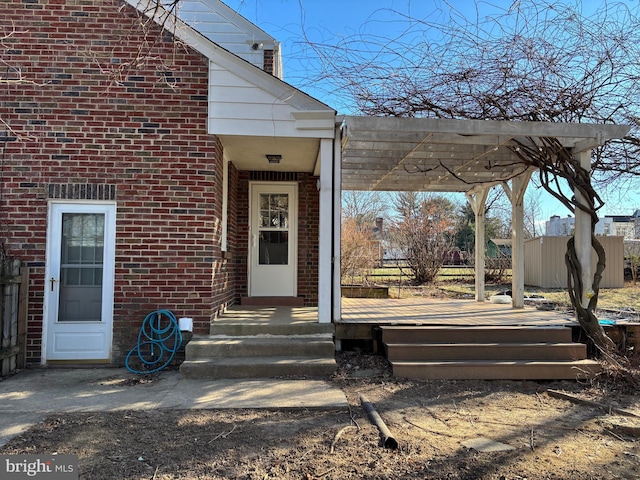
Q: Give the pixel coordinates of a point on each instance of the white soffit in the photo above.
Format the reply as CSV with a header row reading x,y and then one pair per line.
x,y
249,153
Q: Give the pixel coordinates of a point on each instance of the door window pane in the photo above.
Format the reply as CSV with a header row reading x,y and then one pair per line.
x,y
81,269
274,248
274,210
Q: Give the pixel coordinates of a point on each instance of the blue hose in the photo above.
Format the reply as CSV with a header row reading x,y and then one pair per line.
x,y
158,341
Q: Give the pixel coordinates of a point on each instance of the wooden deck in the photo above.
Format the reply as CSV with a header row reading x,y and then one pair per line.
x,y
362,317
430,311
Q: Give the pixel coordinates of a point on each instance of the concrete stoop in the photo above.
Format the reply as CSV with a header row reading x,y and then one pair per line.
x,y
487,353
259,350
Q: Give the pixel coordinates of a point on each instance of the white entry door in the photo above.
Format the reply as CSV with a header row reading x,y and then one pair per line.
x,y
273,240
79,281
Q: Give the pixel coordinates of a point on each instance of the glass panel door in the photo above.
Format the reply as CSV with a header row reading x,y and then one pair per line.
x,y
272,244
80,279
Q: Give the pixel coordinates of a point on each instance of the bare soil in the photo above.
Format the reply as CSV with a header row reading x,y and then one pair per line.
x,y
551,438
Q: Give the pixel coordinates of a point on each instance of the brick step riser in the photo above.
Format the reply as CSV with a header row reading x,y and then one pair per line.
x,y
542,352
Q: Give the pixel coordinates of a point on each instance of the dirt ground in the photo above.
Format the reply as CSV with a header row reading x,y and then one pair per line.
x,y
432,421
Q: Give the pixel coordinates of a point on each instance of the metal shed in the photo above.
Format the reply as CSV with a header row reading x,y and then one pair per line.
x,y
544,262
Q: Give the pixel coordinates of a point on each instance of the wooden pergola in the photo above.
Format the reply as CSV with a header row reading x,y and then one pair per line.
x,y
469,156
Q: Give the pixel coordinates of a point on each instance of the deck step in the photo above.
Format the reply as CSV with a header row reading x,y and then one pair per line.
x,y
257,367
439,334
486,351
497,370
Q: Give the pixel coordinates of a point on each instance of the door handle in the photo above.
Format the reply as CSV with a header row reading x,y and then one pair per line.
x,y
52,281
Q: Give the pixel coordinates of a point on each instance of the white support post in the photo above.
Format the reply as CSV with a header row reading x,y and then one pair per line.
x,y
325,251
583,234
477,201
337,224
516,196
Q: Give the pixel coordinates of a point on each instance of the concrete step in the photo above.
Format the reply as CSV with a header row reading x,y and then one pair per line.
x,y
489,334
497,370
257,367
485,351
248,328
218,346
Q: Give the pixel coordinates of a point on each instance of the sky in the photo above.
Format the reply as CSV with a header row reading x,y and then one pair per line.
x,y
299,23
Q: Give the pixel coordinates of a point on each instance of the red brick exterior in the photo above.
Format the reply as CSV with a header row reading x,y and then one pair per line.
x,y
308,238
86,125
85,121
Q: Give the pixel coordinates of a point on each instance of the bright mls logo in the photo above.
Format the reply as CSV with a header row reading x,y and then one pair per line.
x,y
51,467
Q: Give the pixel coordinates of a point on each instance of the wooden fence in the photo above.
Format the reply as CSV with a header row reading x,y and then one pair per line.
x,y
14,282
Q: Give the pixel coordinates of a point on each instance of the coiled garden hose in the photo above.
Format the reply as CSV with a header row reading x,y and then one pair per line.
x,y
158,341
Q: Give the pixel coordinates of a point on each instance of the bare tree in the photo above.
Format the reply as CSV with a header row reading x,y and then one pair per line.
x,y
534,61
425,233
364,207
359,252
533,214
632,258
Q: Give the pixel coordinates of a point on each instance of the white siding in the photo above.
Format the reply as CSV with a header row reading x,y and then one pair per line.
x,y
246,105
227,28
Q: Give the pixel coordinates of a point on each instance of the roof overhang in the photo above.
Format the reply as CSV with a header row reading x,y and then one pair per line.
x,y
446,155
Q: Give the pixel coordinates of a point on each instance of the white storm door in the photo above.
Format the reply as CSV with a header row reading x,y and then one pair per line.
x,y
79,281
273,240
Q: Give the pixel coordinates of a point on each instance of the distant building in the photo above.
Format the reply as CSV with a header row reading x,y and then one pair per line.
x,y
560,227
627,226
499,248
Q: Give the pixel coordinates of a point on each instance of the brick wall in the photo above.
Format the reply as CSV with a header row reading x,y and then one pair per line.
x,y
88,120
308,238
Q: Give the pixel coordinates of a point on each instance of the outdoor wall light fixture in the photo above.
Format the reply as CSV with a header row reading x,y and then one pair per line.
x,y
273,157
257,46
